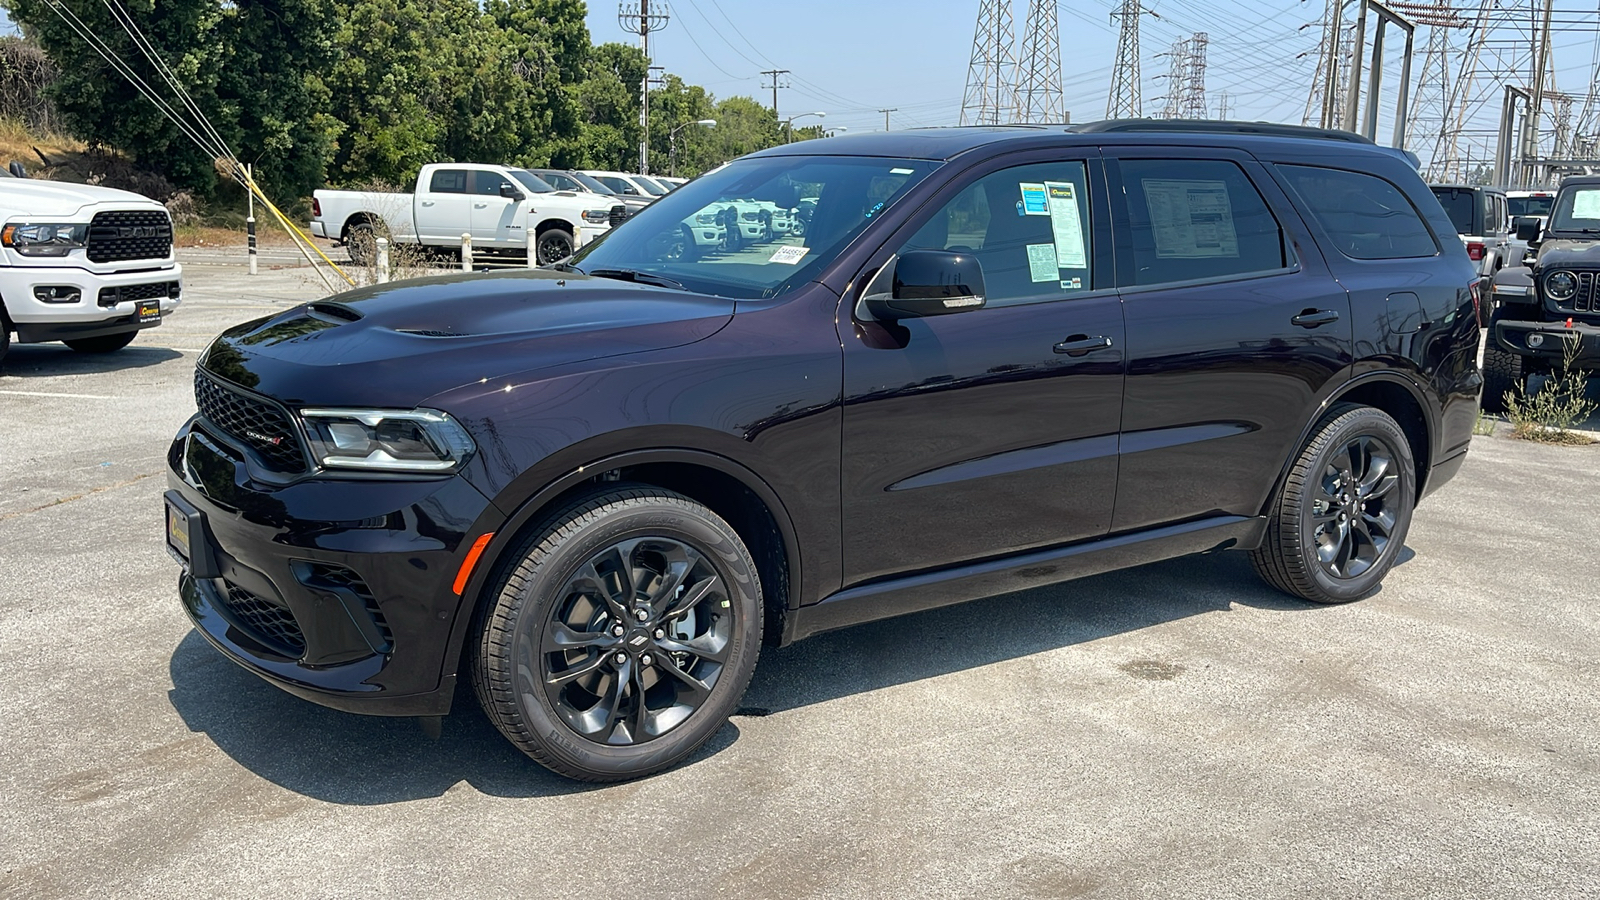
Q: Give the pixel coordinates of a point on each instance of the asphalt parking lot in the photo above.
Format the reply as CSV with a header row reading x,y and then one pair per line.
x,y
1178,730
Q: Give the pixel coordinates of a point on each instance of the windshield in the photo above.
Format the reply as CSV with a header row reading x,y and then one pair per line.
x,y
1577,209
532,182
756,227
591,183
1457,203
1530,206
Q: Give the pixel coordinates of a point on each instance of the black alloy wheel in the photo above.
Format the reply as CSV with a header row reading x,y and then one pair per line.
x,y
361,242
1340,517
621,635
553,245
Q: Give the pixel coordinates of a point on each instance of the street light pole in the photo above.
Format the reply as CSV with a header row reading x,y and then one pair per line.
x,y
789,124
672,140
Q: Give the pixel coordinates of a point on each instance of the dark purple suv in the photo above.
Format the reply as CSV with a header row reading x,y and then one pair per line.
x,y
987,359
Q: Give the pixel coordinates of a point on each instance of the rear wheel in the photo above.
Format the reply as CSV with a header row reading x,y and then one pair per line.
x,y
553,245
361,242
1502,374
106,343
1340,518
622,636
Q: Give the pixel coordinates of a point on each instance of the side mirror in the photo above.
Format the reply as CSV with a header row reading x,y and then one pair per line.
x,y
931,283
17,170
631,191
1527,228
510,192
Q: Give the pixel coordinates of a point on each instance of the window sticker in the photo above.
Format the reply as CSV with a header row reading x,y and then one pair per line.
x,y
1072,284
1033,199
1042,262
1068,228
789,255
1586,205
901,171
1191,219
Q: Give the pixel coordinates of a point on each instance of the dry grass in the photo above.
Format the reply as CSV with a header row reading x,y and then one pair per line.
x,y
18,143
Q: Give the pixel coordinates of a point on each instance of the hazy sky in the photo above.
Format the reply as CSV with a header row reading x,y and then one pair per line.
x,y
851,57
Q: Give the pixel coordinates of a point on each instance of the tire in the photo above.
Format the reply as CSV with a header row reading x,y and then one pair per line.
x,y
361,242
553,245
689,251
105,343
767,234
5,340
1502,374
1315,522
546,669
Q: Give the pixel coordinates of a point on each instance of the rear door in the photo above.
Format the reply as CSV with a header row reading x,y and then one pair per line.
x,y
1236,332
444,208
991,431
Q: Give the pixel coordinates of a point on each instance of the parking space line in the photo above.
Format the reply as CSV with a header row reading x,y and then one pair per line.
x,y
56,394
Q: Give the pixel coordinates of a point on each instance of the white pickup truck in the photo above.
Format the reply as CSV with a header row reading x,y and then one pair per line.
x,y
498,205
85,265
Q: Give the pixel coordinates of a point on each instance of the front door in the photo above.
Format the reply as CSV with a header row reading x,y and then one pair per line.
x,y
495,218
1236,331
992,431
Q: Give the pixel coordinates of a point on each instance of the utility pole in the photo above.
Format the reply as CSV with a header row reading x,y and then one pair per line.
x,y
635,16
774,73
990,95
1039,96
886,115
1125,101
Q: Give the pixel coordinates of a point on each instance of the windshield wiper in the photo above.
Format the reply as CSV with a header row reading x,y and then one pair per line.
x,y
637,277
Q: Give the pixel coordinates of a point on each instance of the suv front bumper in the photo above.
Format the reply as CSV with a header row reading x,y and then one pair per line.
x,y
1552,339
339,591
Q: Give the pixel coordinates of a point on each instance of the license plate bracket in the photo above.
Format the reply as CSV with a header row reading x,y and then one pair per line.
x,y
187,537
149,311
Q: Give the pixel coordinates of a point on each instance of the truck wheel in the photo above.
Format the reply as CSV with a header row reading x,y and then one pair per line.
x,y
361,242
5,339
1502,374
105,343
553,245
1340,517
621,635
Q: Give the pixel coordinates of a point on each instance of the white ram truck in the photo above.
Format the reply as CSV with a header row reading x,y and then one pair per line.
x,y
89,266
497,205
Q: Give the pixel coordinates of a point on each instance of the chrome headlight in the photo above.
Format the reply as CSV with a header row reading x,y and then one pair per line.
x,y
44,240
1560,285
387,440
597,216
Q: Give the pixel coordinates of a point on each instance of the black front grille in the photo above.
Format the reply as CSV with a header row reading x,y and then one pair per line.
x,y
329,577
111,296
619,214
1586,299
129,234
264,621
253,420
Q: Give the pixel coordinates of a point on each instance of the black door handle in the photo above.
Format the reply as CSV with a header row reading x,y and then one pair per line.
x,y
1079,344
1315,318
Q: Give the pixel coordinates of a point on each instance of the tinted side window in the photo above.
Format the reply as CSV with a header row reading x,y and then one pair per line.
x,y
1029,228
448,181
561,182
1195,219
1367,217
1457,203
487,183
617,184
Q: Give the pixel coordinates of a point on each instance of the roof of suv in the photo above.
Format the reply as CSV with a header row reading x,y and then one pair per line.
x,y
947,143
1571,180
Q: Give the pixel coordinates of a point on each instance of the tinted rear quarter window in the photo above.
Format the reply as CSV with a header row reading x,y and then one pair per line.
x,y
1365,216
1457,203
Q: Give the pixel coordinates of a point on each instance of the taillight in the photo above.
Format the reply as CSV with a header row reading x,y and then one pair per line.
x,y
1476,250
316,208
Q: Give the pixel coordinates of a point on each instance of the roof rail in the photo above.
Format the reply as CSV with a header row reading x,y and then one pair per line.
x,y
1208,126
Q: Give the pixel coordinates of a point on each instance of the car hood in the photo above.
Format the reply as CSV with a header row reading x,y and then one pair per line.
x,y
41,201
1569,253
396,345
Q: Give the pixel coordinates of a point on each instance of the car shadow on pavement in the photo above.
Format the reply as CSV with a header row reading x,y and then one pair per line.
x,y
363,760
52,360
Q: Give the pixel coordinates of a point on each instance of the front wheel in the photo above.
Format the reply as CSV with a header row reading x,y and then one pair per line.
x,y
1502,374
1341,515
553,245
622,635
106,343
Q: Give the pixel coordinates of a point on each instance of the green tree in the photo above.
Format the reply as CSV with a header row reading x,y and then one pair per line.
x,y
608,98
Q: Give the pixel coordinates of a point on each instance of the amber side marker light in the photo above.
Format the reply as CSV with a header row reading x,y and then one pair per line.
x,y
471,562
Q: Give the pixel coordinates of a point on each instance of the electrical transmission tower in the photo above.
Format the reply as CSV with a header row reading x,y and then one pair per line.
x,y
990,97
1194,79
1125,102
1431,112
1177,72
1039,96
636,17
1325,103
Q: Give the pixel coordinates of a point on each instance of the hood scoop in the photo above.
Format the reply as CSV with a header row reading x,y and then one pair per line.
x,y
325,310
